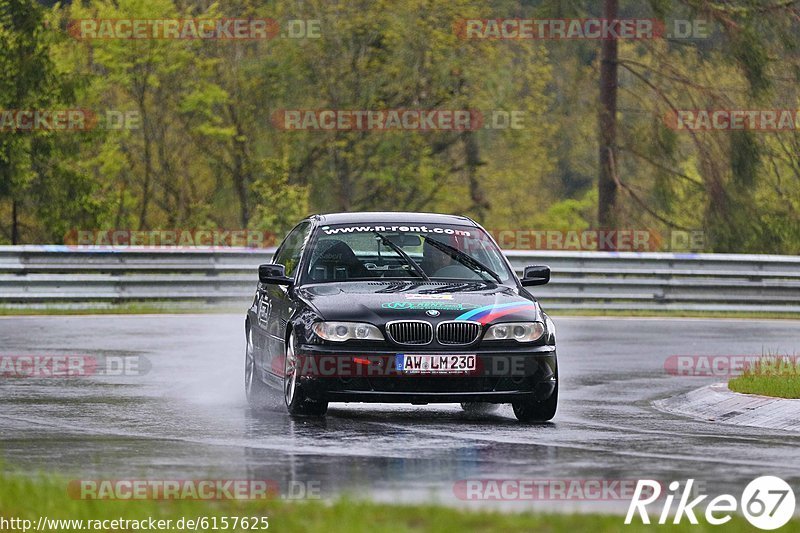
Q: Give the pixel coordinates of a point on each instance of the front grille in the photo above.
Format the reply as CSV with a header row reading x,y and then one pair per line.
x,y
413,332
458,332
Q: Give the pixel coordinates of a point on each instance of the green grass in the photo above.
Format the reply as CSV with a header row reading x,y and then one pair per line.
x,y
30,498
674,313
131,308
777,377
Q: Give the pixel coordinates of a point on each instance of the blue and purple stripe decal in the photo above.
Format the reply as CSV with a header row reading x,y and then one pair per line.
x,y
488,313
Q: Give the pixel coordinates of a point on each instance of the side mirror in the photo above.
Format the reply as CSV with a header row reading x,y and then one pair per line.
x,y
273,274
535,275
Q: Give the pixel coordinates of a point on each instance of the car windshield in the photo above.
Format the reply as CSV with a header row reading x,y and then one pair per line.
x,y
404,251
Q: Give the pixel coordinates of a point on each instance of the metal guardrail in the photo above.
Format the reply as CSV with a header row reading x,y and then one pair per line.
x,y
585,280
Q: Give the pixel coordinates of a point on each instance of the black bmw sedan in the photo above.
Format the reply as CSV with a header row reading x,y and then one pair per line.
x,y
398,307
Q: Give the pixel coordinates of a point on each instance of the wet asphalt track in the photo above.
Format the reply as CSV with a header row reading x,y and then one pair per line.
x,y
187,417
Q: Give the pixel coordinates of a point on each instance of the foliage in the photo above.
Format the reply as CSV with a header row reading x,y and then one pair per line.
x,y
31,498
204,150
780,378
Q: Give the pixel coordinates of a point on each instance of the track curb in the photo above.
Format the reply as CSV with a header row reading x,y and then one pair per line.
x,y
717,403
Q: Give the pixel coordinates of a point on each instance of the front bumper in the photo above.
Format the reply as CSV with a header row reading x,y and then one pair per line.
x,y
502,375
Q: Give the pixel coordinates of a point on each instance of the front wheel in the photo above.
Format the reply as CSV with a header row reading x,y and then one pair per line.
x,y
296,401
255,389
533,410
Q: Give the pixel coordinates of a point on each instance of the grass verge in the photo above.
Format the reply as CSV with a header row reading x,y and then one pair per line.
x,y
131,308
772,377
673,313
46,496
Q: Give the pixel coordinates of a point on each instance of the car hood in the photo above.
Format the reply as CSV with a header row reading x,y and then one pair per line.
x,y
380,302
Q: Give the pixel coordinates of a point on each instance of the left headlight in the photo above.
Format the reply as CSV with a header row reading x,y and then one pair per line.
x,y
345,331
518,331
551,328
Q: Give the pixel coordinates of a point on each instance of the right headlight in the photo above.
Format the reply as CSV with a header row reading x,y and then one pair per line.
x,y
344,331
518,331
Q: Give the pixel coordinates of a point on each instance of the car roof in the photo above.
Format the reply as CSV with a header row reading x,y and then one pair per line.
x,y
383,217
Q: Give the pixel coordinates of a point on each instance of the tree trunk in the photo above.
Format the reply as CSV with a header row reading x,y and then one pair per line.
x,y
140,92
14,222
148,173
480,204
240,183
344,182
242,176
607,128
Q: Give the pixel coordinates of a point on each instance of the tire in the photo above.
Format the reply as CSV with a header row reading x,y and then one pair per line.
x,y
532,410
479,408
258,394
295,399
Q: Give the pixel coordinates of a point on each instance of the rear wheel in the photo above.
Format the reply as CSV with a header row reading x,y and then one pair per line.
x,y
479,408
296,401
256,390
533,410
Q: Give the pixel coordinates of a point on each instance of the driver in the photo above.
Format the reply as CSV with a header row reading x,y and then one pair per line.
x,y
434,259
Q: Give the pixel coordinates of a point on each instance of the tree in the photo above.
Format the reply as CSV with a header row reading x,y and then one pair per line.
x,y
34,163
607,126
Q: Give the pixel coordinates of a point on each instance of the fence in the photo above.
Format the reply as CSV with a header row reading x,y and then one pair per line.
x,y
580,280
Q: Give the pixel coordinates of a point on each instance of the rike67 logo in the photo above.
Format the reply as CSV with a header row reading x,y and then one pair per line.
x,y
767,503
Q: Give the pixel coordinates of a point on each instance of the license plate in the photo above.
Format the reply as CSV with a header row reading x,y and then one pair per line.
x,y
434,364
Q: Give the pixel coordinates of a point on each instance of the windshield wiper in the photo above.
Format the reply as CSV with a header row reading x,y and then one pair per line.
x,y
407,258
462,258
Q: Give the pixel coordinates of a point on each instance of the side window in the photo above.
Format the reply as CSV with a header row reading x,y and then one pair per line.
x,y
292,248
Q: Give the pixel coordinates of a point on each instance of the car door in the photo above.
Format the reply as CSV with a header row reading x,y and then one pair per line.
x,y
276,304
